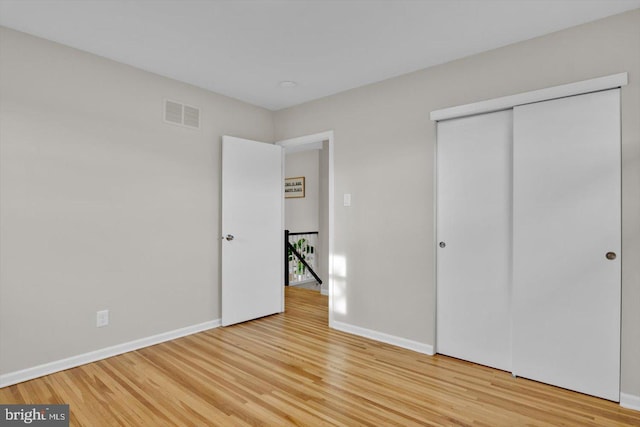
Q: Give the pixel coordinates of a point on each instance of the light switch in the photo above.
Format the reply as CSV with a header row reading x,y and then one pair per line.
x,y
347,199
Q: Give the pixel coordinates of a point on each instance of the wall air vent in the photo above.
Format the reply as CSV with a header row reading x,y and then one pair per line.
x,y
191,117
180,114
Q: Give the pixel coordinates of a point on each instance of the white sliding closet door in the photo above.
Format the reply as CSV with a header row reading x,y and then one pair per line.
x,y
566,295
474,235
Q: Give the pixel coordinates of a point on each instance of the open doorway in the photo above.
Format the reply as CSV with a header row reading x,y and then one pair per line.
x,y
304,204
310,218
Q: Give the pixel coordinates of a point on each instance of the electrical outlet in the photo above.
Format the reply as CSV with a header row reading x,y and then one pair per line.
x,y
102,318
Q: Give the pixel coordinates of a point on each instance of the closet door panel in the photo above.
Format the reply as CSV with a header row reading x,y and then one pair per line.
x,y
474,225
566,213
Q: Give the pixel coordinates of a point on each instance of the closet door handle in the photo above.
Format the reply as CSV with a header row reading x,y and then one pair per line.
x,y
442,244
611,256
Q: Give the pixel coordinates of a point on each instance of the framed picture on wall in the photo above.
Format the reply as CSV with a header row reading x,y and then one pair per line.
x,y
294,187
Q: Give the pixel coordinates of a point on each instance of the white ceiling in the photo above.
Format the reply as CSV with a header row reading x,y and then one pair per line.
x,y
243,49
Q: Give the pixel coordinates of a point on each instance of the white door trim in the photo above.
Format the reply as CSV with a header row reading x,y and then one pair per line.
x,y
295,144
506,102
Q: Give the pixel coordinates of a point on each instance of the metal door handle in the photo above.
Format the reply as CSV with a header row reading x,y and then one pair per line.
x,y
443,244
611,255
229,237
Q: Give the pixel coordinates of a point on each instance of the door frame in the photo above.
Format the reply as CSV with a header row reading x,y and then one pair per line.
x,y
313,140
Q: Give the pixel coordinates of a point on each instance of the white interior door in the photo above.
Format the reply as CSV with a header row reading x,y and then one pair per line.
x,y
474,235
566,296
252,229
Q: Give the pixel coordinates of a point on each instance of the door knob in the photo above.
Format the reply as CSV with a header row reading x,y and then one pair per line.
x,y
229,237
443,244
611,255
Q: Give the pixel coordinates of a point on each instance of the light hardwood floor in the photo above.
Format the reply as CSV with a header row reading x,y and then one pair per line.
x,y
291,369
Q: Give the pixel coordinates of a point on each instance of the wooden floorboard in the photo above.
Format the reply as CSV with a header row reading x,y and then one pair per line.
x,y
291,369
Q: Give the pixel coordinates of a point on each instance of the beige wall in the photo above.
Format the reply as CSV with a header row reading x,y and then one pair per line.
x,y
301,214
104,206
384,157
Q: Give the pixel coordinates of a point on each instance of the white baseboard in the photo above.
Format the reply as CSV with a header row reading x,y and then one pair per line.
x,y
630,401
324,291
386,338
82,359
